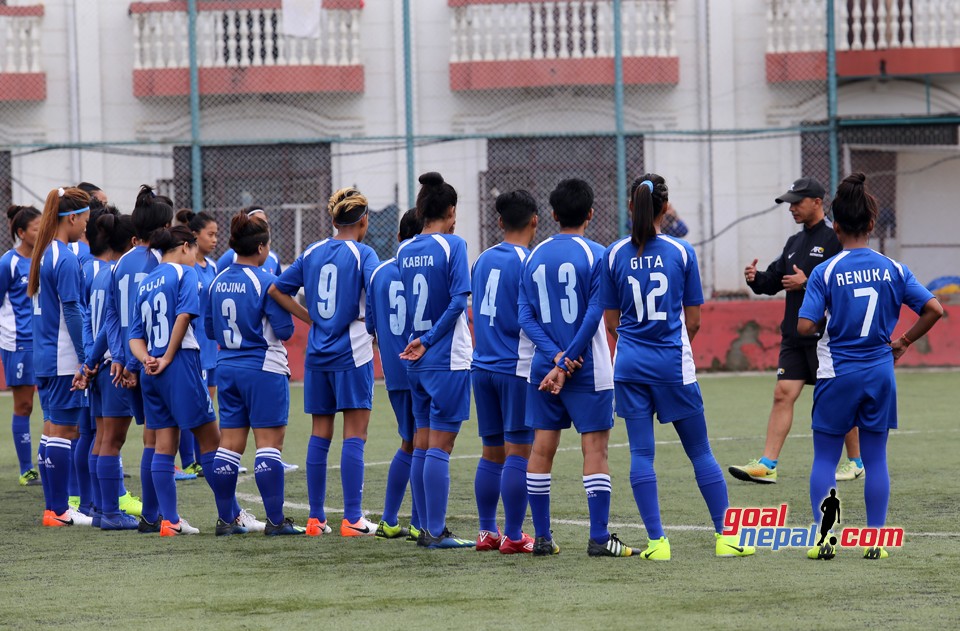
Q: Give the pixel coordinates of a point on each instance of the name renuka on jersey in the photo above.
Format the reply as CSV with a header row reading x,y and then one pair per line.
x,y
231,287
859,276
425,260
157,282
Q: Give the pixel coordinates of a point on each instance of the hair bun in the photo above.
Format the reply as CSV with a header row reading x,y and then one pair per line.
x,y
184,215
856,178
106,221
432,178
12,211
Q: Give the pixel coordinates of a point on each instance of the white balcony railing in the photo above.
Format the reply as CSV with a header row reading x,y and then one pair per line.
x,y
800,25
243,38
560,30
20,43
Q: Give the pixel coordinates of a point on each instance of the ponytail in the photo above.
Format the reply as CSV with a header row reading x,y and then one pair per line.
x,y
151,212
648,196
60,203
166,239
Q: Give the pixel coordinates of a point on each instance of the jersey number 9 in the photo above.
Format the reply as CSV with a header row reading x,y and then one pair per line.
x,y
327,291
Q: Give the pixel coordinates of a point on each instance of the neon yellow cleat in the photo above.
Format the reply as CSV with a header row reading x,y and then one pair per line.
x,y
414,533
30,478
657,550
729,546
825,552
131,504
386,531
74,502
753,471
876,552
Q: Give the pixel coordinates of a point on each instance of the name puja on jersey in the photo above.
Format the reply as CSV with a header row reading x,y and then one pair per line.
x,y
157,282
859,276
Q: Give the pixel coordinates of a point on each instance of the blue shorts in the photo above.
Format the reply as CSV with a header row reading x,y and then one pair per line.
x,y
501,402
326,392
177,397
866,399
114,402
252,398
18,367
210,377
638,401
402,404
586,411
60,405
441,398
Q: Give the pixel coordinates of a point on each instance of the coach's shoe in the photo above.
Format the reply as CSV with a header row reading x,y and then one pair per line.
x,y
875,552
121,521
414,535
315,527
729,546
29,478
446,541
754,471
79,519
363,527
286,527
233,528
488,541
52,520
149,527
248,521
612,548
73,502
849,471
657,550
825,552
180,475
509,546
180,528
386,531
542,547
130,504
195,469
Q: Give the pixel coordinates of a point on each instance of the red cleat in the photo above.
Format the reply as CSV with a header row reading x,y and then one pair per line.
x,y
488,541
524,546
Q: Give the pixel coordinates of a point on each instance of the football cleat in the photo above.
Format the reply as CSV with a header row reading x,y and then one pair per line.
x,y
242,469
386,531
289,468
194,469
121,521
849,471
509,546
29,478
612,548
96,516
225,529
754,471
148,527
248,521
729,546
130,504
657,550
414,533
545,547
487,540
180,475
73,502
286,527
175,530
52,520
360,528
315,527
446,541
875,552
825,552
79,519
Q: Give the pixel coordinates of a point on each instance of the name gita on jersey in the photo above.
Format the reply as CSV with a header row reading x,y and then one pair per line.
x,y
859,276
420,260
646,262
766,528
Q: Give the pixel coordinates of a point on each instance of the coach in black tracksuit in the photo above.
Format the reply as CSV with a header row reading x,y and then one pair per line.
x,y
797,366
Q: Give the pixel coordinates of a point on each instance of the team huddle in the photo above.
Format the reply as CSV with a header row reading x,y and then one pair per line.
x,y
145,326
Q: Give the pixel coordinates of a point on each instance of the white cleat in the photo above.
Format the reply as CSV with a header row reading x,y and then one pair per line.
x,y
79,519
289,468
251,523
242,469
849,471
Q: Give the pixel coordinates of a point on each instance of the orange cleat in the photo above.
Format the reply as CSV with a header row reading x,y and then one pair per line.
x,y
524,546
315,527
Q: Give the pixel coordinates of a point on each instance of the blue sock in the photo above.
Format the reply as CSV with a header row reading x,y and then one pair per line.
x,y
220,470
81,462
397,478
123,487
643,479
268,471
110,474
317,450
59,465
538,494
713,487
73,480
513,490
92,464
21,442
162,470
416,487
823,474
486,487
436,489
769,464
857,461
151,503
876,486
42,469
598,489
187,454
351,478
196,446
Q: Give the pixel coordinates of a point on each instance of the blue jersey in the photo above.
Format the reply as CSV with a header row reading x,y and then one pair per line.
x,y
208,347
860,292
271,265
650,292
560,310
90,268
246,322
436,282
165,293
99,324
82,250
16,309
61,282
388,317
501,345
334,275
121,298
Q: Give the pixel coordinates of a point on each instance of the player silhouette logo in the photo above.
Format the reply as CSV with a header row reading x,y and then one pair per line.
x,y
831,515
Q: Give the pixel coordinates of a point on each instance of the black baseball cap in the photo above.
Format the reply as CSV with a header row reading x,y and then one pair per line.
x,y
804,187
